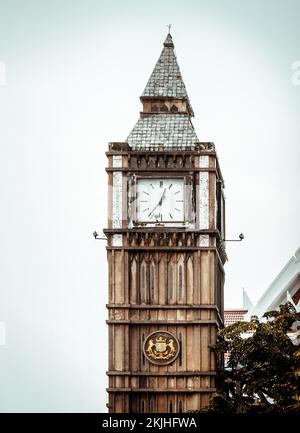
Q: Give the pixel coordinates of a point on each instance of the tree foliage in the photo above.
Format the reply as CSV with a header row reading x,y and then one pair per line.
x,y
263,371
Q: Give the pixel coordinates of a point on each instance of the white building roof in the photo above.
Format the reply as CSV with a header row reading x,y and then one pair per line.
x,y
282,288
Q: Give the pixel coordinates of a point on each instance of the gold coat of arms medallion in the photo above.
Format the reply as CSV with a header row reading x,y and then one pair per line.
x,y
161,347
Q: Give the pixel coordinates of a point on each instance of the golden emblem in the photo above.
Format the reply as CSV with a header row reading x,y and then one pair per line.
x,y
161,347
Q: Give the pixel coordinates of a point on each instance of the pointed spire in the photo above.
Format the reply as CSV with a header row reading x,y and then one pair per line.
x,y
165,121
166,79
169,41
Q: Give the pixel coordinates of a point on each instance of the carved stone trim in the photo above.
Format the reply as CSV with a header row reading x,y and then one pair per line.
x,y
117,240
204,200
117,200
117,161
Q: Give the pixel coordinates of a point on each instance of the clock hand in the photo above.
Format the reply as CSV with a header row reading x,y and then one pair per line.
x,y
159,203
163,196
153,209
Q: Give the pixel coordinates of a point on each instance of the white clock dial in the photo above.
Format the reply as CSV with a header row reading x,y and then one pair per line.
x,y
160,200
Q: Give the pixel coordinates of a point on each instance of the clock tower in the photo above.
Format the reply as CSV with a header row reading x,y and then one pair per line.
x,y
166,223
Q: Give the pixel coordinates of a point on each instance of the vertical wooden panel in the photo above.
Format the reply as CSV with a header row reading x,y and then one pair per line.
x,y
190,280
213,340
212,278
112,277
162,281
111,348
119,403
118,278
205,359
118,347
133,281
189,348
205,277
205,400
197,277
197,346
126,273
162,403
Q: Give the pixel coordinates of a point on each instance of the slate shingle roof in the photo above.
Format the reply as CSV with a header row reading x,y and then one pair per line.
x,y
166,79
169,130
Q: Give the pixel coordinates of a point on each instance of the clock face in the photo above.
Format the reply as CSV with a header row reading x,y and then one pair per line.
x,y
160,200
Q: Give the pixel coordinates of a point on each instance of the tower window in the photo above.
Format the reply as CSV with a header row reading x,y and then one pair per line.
x,y
180,406
174,109
163,107
143,289
142,406
170,407
154,108
151,405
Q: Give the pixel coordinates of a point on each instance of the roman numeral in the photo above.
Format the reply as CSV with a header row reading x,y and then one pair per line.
x,y
161,184
146,192
170,186
170,216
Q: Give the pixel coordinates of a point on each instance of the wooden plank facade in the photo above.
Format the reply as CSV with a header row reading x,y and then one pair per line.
x,y
166,279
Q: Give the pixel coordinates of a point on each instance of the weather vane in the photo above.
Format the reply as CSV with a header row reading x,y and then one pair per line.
x,y
169,27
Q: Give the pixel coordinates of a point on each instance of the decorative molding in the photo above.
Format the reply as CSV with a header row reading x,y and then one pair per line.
x,y
175,161
162,322
199,147
162,306
161,373
204,161
117,240
204,241
157,390
167,239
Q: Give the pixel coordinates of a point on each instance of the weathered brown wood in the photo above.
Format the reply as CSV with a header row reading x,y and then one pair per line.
x,y
159,373
145,296
162,322
189,389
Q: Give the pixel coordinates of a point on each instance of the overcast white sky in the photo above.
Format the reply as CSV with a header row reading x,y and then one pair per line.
x,y
74,74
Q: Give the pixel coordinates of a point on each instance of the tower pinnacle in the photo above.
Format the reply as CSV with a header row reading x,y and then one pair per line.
x,y
165,82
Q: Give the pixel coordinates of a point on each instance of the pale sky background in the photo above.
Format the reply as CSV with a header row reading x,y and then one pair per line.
x,y
74,74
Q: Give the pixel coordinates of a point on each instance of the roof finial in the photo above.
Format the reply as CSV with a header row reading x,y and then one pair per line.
x,y
169,27
168,42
